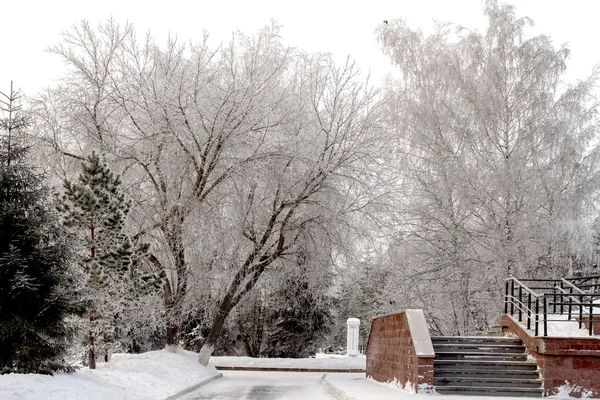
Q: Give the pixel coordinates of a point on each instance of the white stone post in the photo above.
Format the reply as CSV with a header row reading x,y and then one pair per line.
x,y
352,341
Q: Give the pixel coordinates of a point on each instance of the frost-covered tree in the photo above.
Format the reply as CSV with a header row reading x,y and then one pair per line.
x,y
39,287
297,193
233,156
288,314
191,121
499,163
95,209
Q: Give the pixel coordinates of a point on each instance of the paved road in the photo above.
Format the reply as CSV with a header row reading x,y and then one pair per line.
x,y
247,385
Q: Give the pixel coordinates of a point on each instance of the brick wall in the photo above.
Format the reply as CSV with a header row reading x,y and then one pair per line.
x,y
392,352
562,360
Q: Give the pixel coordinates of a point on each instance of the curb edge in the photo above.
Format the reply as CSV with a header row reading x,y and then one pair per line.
x,y
196,386
333,390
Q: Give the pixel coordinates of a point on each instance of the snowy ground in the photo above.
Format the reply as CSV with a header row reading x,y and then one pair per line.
x,y
324,361
250,385
159,374
148,376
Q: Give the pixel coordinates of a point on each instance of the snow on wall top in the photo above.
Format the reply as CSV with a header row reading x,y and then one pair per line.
x,y
419,333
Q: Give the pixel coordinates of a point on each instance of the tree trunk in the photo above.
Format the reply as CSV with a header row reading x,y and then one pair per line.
x,y
216,329
172,338
91,352
175,293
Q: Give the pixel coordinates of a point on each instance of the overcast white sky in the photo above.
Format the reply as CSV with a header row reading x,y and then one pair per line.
x,y
341,27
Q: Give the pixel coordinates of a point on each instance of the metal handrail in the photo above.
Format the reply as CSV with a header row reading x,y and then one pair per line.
x,y
566,294
534,307
569,284
525,287
578,278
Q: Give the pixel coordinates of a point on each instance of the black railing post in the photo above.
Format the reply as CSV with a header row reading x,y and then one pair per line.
x,y
554,305
580,310
546,317
512,297
506,299
562,310
528,310
520,303
591,316
570,302
537,316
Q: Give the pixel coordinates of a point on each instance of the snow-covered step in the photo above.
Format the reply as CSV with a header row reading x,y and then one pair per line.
x,y
493,331
477,347
480,356
475,340
452,371
487,365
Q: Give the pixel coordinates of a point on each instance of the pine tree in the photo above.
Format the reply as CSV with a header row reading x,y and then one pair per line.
x,y
95,208
38,286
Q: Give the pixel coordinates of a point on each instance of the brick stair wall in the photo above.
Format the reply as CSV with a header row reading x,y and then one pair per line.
x,y
562,361
399,350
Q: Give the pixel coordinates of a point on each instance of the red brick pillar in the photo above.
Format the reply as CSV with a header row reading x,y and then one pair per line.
x,y
399,350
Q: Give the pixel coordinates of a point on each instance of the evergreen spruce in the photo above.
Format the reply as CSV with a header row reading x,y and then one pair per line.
x,y
299,319
38,286
95,208
299,316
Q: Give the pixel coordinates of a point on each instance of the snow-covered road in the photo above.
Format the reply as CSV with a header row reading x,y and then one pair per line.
x,y
247,385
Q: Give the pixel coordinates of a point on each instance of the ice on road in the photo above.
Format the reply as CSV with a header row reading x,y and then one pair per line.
x,y
248,385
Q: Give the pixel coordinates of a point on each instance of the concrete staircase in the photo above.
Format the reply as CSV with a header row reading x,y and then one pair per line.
x,y
485,366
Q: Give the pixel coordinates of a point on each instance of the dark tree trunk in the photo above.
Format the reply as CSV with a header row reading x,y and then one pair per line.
x,y
172,338
253,332
175,294
91,351
216,329
244,281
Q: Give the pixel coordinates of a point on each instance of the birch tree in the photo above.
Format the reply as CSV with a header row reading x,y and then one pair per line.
x,y
500,161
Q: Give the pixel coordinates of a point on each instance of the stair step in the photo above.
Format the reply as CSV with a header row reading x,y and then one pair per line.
x,y
490,391
475,339
449,372
490,334
480,356
492,331
486,365
500,382
475,347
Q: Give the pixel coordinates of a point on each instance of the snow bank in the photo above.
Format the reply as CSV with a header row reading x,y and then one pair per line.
x,y
358,387
321,361
565,390
148,376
